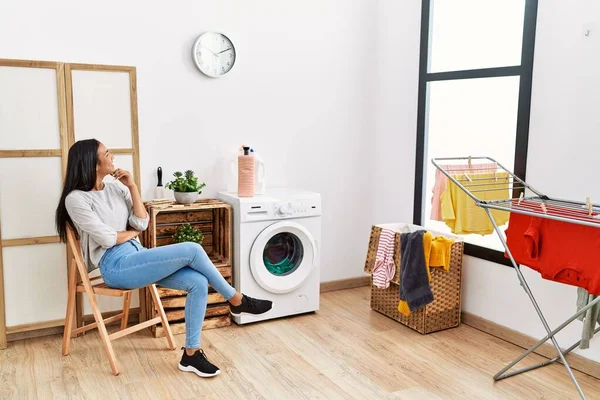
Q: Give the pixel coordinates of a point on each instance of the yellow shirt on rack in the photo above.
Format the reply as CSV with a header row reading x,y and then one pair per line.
x,y
461,213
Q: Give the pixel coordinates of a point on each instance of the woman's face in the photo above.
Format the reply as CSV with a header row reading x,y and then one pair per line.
x,y
105,161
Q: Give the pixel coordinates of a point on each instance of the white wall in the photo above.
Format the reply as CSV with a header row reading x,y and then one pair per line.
x,y
299,92
395,111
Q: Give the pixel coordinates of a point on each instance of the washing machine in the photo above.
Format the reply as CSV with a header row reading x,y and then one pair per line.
x,y
276,250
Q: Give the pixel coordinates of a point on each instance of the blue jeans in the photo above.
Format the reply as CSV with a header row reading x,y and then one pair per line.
x,y
182,266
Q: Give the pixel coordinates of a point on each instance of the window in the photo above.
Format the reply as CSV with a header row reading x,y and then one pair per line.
x,y
474,94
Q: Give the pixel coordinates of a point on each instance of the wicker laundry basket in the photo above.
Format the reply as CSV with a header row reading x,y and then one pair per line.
x,y
444,311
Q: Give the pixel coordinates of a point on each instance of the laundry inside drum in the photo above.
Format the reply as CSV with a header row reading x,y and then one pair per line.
x,y
283,254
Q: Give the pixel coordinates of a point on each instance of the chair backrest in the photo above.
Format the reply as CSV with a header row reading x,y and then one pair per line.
x,y
75,247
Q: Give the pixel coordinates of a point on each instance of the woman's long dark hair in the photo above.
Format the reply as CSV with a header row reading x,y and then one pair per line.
x,y
81,175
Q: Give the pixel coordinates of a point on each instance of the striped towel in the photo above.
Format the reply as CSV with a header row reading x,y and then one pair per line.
x,y
384,269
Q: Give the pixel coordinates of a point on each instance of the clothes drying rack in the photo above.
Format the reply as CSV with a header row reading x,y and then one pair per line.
x,y
549,208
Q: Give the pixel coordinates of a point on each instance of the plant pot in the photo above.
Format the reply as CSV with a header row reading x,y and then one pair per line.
x,y
186,197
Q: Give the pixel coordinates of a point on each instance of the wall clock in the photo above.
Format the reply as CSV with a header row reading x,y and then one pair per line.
x,y
213,54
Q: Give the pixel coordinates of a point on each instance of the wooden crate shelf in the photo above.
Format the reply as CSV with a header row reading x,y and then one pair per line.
x,y
179,327
179,301
213,218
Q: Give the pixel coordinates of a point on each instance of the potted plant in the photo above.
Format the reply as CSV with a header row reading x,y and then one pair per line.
x,y
186,187
187,233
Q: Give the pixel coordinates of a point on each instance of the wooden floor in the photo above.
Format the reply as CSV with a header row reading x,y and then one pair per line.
x,y
344,351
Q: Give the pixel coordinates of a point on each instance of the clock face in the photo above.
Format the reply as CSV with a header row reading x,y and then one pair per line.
x,y
213,54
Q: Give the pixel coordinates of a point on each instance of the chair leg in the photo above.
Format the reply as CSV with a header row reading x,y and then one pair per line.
x,y
72,283
101,328
163,316
126,304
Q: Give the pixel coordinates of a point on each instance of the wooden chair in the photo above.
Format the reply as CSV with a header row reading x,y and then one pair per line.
x,y
95,286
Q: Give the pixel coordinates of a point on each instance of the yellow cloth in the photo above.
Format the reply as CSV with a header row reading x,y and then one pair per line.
x,y
437,254
460,212
403,308
441,249
427,238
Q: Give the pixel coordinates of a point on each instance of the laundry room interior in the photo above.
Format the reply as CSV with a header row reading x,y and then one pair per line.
x,y
299,200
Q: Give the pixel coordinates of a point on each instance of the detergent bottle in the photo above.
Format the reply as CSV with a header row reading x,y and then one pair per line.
x,y
246,174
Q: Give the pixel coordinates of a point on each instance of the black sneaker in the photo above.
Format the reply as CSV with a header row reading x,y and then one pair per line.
x,y
198,364
251,306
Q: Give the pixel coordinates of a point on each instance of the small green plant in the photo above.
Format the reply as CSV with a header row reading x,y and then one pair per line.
x,y
187,233
186,183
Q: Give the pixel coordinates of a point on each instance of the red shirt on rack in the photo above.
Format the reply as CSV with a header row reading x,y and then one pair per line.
x,y
561,251
521,241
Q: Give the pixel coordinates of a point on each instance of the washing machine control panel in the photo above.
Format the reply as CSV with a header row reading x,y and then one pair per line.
x,y
282,208
296,208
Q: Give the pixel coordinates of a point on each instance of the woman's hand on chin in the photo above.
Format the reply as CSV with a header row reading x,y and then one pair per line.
x,y
124,176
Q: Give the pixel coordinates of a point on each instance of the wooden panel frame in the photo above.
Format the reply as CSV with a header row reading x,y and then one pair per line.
x,y
3,332
30,241
134,151
67,138
30,153
62,153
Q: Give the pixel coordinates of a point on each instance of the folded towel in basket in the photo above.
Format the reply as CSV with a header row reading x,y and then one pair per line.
x,y
384,268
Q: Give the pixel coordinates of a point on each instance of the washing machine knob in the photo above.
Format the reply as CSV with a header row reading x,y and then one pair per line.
x,y
283,209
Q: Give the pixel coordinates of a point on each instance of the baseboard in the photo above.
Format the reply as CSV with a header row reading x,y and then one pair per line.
x,y
35,326
576,361
30,331
13,337
345,284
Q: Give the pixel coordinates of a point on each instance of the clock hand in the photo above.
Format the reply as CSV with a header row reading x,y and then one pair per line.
x,y
224,51
209,50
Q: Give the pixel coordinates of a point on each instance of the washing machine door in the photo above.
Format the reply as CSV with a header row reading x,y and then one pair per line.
x,y
283,256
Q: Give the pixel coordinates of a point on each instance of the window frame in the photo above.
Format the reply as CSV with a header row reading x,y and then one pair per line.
x,y
524,71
